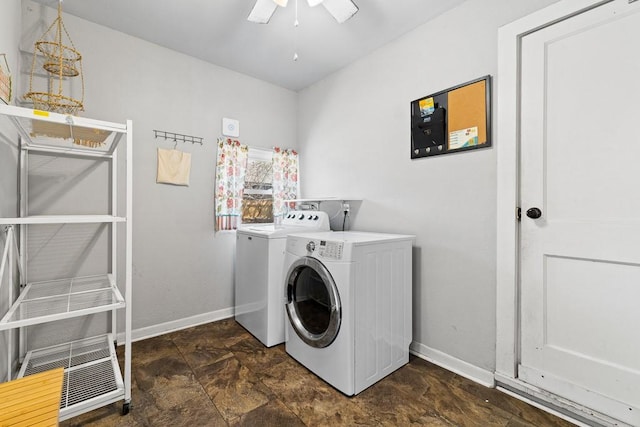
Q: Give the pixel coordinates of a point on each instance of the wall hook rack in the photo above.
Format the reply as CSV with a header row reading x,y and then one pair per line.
x,y
177,137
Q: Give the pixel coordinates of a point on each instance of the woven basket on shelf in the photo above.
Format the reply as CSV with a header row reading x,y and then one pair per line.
x,y
5,80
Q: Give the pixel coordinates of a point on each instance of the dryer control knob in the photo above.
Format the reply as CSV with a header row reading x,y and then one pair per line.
x,y
311,246
301,216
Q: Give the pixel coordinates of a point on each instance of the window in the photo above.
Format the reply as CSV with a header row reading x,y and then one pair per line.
x,y
253,185
257,200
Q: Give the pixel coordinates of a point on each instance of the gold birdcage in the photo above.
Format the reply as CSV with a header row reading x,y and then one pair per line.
x,y
61,61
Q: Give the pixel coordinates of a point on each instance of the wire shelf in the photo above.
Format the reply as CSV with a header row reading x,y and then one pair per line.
x,y
62,299
92,376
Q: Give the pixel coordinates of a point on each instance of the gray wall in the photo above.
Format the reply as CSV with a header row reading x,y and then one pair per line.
x,y
181,267
356,125
353,129
9,35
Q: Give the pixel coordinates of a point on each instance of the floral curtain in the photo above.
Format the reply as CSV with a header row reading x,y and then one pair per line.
x,y
230,170
285,180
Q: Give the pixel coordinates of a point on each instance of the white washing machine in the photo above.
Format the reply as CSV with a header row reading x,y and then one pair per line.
x,y
349,305
259,301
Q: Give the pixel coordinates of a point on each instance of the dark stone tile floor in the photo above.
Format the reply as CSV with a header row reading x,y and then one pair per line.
x,y
219,375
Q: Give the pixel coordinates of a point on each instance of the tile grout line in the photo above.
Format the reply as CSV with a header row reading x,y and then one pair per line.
x,y
278,398
191,368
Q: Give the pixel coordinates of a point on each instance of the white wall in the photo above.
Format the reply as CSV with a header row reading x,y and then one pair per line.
x,y
354,133
9,35
181,267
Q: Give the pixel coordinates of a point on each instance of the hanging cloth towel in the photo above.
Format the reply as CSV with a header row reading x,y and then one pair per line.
x,y
174,167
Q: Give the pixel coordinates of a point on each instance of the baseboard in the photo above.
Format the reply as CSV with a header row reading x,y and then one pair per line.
x,y
176,325
450,363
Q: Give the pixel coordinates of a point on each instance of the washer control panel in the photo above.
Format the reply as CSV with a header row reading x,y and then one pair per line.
x,y
311,219
331,250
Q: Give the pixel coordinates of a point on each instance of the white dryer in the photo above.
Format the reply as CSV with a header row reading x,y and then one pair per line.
x,y
259,300
349,305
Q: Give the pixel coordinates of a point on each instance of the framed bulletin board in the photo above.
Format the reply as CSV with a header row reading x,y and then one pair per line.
x,y
452,120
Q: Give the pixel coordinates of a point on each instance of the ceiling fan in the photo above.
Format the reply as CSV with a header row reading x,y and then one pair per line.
x,y
341,10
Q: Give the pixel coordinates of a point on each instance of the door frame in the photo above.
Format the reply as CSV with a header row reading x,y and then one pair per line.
x,y
508,200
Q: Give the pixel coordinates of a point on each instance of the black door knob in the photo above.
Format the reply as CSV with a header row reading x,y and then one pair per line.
x,y
534,213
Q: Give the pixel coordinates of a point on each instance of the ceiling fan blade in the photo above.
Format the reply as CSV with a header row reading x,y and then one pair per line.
x,y
340,9
262,11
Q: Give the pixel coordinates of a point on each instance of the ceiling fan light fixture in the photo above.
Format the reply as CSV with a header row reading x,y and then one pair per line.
x,y
341,10
262,11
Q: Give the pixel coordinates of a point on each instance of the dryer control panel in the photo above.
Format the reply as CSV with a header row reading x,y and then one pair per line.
x,y
329,249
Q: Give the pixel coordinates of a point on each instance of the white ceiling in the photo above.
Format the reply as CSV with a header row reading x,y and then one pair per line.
x,y
218,32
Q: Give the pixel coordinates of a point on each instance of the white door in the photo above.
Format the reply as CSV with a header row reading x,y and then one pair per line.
x,y
580,166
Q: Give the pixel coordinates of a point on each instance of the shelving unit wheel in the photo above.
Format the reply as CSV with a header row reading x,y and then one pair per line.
x,y
126,407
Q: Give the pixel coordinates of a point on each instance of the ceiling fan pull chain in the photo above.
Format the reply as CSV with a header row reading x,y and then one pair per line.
x,y
296,23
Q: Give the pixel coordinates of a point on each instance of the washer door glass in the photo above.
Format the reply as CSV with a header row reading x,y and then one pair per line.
x,y
313,302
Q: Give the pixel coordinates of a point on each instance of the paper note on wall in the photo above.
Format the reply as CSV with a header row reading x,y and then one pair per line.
x,y
463,138
427,107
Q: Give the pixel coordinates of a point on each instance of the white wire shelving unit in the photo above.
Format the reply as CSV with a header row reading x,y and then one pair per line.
x,y
93,377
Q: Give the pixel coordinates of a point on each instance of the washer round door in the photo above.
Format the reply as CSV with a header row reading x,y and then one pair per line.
x,y
313,302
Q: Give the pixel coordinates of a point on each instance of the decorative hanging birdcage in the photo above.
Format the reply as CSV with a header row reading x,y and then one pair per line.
x,y
62,62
